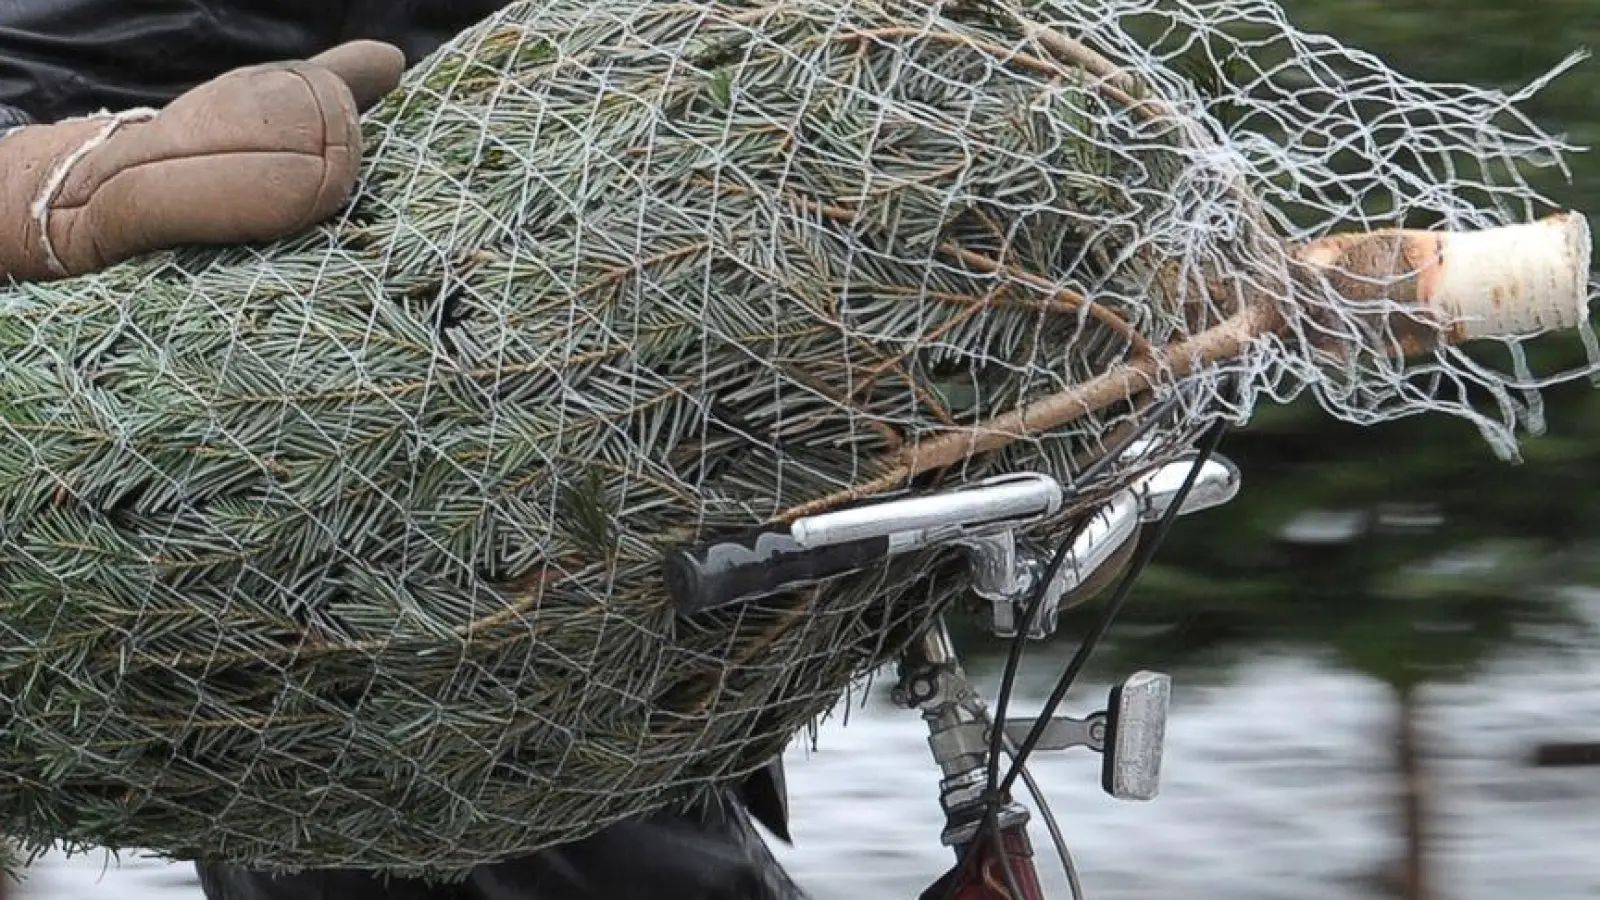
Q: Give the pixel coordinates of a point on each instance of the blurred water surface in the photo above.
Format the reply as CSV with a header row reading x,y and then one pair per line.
x,y
1276,786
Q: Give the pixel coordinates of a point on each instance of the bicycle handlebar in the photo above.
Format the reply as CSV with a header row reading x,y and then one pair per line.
x,y
983,518
774,559
758,564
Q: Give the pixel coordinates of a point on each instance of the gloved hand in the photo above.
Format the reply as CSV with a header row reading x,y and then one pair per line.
x,y
257,154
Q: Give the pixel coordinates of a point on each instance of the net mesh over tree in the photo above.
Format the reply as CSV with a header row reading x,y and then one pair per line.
x,y
347,550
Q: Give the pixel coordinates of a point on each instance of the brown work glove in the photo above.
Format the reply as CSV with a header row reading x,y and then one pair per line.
x,y
257,154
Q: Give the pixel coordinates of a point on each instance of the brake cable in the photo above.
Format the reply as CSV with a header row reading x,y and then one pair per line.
x,y
997,787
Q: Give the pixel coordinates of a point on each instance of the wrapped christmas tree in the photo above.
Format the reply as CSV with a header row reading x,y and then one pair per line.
x,y
347,550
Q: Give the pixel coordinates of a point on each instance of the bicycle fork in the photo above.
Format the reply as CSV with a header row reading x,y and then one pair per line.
x,y
932,682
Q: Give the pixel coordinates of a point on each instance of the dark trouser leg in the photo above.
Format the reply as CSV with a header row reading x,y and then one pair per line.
x,y
716,854
234,883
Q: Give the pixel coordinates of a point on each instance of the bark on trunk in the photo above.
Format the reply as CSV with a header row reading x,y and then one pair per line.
x,y
1415,884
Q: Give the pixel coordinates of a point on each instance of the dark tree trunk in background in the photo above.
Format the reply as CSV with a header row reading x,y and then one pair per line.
x,y
1414,809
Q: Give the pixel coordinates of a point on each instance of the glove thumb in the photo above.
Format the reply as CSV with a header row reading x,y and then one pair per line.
x,y
371,69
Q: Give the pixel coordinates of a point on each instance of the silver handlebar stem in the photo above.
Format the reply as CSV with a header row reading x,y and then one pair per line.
x,y
1004,569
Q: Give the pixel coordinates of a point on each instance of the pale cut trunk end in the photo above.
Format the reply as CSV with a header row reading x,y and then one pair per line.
x,y
1511,281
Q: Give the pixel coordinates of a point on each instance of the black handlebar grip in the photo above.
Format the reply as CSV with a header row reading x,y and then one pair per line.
x,y
756,564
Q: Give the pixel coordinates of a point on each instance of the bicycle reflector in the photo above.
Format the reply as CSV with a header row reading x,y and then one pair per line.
x,y
1136,732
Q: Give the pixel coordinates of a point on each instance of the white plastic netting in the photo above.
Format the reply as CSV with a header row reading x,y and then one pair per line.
x,y
347,551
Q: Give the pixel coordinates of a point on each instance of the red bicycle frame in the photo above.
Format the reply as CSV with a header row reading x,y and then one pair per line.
x,y
984,878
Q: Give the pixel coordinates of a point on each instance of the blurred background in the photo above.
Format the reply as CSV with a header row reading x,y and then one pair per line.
x,y
1384,649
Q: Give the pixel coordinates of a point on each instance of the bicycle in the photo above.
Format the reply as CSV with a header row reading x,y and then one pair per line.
x,y
1021,590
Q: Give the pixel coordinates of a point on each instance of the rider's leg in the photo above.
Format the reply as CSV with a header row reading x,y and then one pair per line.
x,y
714,853
221,882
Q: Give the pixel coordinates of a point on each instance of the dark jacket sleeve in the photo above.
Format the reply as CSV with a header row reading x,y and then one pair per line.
x,y
61,58
11,117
